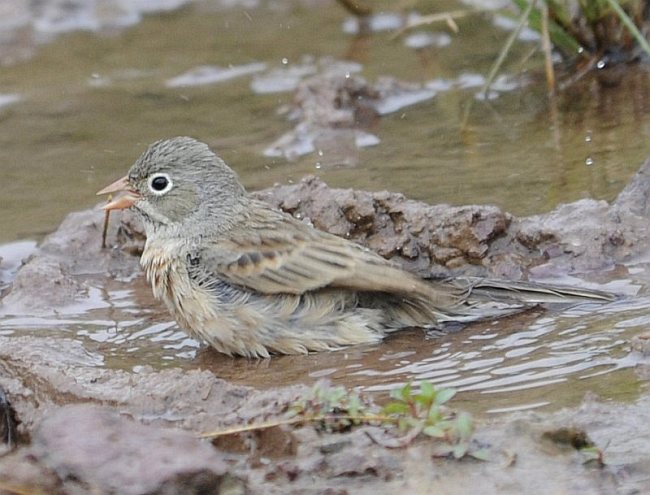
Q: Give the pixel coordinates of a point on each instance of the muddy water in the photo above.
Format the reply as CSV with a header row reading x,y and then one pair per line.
x,y
89,103
538,359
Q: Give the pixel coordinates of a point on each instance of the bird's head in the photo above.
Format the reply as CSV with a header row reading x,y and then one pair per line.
x,y
178,183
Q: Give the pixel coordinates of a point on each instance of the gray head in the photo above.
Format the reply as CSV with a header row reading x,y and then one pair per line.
x,y
177,183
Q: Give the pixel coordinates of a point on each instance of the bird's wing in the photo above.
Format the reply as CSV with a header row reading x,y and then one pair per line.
x,y
276,253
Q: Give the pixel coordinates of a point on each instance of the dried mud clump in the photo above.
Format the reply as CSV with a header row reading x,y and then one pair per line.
x,y
432,240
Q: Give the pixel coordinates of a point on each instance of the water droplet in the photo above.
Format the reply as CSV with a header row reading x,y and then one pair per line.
x,y
589,161
601,64
285,61
320,153
347,75
588,137
318,165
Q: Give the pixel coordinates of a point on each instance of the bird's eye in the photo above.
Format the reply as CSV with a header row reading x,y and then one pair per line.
x,y
160,183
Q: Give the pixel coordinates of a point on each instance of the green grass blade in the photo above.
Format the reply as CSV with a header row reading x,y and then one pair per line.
x,y
625,19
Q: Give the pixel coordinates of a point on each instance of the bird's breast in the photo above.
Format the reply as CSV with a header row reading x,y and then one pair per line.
x,y
167,271
162,267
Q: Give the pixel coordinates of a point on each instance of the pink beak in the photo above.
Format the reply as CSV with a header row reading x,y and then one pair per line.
x,y
122,201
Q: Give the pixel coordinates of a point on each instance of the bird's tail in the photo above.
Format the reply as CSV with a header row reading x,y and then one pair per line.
x,y
478,290
474,298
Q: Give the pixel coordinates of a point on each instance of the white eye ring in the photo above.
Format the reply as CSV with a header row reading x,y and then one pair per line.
x,y
163,183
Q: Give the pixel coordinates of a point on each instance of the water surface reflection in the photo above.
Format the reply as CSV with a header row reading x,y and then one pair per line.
x,y
534,359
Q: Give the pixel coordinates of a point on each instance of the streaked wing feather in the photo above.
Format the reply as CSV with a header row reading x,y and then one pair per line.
x,y
297,266
287,256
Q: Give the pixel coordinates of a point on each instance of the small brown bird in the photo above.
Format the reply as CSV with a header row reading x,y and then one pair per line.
x,y
251,280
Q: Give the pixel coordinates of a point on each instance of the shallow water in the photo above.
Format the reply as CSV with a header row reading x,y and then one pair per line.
x,y
86,105
543,358
90,103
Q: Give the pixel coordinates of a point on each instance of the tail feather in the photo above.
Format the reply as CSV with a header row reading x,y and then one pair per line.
x,y
474,299
477,289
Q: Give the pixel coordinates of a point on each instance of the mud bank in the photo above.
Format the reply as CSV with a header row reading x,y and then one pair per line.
x,y
143,439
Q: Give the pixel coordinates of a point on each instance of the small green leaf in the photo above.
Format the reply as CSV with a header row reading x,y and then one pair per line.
x,y
336,395
422,400
480,454
434,415
427,390
592,454
445,425
434,431
355,405
401,393
396,394
396,408
465,425
406,391
460,450
445,395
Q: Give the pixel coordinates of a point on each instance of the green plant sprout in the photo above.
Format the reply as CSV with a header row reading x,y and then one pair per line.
x,y
413,413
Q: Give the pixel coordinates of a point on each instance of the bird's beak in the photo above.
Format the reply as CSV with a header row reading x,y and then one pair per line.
x,y
123,201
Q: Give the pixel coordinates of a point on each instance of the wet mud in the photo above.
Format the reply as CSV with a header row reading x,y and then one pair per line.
x,y
139,433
